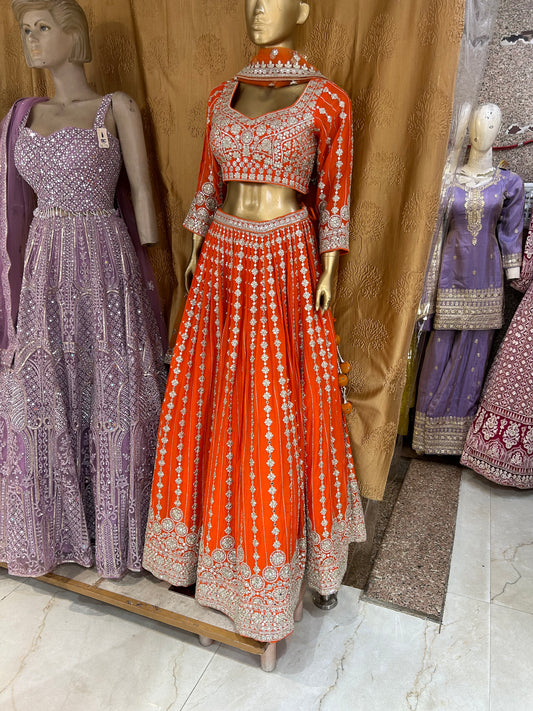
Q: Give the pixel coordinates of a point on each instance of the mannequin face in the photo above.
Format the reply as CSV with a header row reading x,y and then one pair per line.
x,y
271,23
47,45
484,126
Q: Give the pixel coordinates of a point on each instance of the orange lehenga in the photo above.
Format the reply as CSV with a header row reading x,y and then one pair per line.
x,y
254,488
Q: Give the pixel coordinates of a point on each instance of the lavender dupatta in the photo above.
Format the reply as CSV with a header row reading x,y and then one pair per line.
x,y
17,201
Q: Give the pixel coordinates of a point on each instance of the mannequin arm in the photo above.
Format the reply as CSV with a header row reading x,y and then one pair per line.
x,y
324,289
197,241
130,132
512,273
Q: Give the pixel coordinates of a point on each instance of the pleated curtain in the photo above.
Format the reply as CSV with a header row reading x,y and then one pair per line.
x,y
397,61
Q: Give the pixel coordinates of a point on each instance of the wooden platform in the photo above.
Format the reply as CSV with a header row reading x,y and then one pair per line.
x,y
142,594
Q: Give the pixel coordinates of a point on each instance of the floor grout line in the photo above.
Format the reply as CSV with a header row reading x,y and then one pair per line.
x,y
182,708
468,597
513,609
17,586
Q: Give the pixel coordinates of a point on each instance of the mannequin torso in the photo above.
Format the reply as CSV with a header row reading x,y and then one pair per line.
x,y
254,101
269,25
75,103
482,243
83,330
252,416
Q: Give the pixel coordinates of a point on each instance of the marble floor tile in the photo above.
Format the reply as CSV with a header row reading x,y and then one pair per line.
x,y
511,686
362,656
63,652
308,664
512,548
510,517
402,663
7,584
512,578
470,567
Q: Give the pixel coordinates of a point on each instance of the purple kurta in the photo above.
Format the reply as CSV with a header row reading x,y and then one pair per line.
x,y
81,353
499,445
484,237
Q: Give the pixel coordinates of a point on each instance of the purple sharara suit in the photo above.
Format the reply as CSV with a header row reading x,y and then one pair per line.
x,y
484,238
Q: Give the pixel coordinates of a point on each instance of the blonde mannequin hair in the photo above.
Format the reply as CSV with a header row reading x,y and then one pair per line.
x,y
69,15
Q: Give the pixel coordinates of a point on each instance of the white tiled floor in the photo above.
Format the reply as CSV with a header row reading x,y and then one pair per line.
x,y
61,652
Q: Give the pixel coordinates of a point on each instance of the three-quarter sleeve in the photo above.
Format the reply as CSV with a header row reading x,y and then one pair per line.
x,y
210,190
511,222
334,168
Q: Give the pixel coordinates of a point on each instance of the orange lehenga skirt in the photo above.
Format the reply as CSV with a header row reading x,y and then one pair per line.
x,y
254,488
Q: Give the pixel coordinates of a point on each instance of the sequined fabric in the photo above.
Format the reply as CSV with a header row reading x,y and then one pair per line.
x,y
254,486
79,407
499,444
309,140
278,66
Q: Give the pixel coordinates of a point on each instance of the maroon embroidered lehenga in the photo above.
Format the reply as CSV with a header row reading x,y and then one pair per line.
x,y
499,444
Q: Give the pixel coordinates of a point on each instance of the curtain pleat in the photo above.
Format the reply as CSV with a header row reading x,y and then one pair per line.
x,y
397,61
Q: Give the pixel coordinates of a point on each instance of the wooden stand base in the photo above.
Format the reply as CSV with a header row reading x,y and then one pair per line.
x,y
147,596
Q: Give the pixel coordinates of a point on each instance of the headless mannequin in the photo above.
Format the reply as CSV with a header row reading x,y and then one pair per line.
x,y
269,23
75,104
478,170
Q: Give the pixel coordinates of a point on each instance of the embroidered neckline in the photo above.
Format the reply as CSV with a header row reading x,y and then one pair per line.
x,y
478,186
291,107
276,67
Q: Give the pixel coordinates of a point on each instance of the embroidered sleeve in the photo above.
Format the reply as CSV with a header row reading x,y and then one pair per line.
x,y
511,222
526,273
334,168
211,189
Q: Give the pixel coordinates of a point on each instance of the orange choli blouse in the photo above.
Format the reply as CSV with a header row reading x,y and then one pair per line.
x,y
306,146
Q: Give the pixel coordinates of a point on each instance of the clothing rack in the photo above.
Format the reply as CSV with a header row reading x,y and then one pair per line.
x,y
528,187
144,595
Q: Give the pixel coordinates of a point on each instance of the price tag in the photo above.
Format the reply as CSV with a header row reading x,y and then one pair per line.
x,y
103,138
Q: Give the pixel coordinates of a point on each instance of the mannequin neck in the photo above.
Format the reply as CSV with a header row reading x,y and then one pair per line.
x,y
288,43
70,84
479,162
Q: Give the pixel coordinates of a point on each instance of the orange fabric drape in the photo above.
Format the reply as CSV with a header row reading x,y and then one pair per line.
x,y
396,60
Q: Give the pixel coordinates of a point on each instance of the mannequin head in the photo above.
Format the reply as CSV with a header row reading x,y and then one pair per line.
x,y
58,24
271,23
484,126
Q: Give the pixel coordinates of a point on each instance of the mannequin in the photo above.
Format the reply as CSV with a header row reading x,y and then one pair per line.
x,y
262,201
484,239
499,443
254,489
81,344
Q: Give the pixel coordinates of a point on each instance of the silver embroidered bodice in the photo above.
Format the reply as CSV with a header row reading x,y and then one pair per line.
x,y
67,169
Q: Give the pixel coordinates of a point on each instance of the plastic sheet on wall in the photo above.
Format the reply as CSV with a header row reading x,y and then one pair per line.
x,y
480,16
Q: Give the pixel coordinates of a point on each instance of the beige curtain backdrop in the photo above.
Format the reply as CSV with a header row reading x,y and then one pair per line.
x,y
397,60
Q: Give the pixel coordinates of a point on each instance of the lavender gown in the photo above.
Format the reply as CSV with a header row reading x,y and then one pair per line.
x,y
79,407
484,237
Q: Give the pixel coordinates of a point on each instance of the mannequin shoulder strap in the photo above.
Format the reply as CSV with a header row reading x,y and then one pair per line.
x,y
99,119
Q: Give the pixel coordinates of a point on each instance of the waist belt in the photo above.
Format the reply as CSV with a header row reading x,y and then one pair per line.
x,y
60,212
